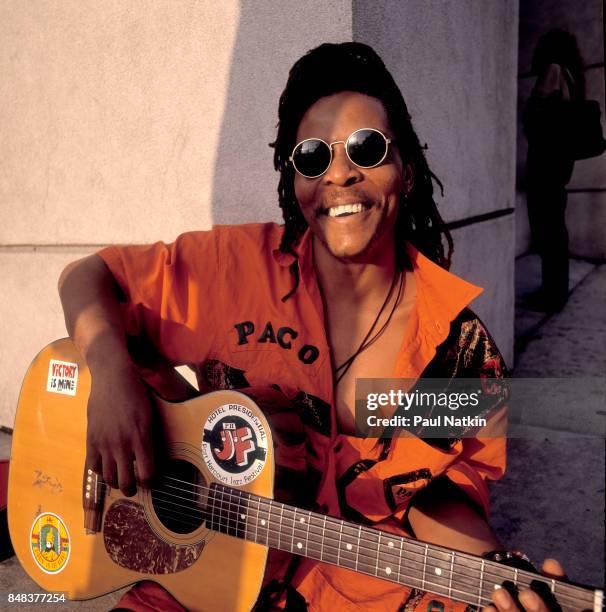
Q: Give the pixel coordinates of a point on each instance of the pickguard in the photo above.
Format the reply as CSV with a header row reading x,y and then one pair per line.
x,y
131,543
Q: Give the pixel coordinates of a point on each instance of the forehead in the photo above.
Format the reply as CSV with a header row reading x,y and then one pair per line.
x,y
336,117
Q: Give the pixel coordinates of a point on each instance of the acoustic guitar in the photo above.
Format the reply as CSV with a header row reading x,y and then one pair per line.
x,y
204,529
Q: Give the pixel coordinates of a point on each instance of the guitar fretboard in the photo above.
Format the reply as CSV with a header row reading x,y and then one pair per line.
x,y
409,562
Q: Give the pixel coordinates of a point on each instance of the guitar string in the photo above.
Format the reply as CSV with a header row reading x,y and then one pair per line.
x,y
426,582
224,492
449,590
373,543
311,544
388,552
452,573
408,541
375,560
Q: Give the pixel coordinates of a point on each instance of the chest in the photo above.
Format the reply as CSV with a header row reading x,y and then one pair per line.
x,y
378,360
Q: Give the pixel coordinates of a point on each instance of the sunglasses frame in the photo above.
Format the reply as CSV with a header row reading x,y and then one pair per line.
x,y
388,141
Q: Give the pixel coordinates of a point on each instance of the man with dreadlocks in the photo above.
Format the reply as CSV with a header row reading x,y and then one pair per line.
x,y
354,284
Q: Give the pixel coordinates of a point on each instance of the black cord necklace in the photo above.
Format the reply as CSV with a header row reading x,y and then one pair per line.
x,y
340,371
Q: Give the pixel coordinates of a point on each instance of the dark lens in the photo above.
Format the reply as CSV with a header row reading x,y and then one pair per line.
x,y
311,157
366,148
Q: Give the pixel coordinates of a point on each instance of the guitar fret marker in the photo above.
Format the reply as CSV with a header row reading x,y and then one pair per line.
x,y
390,544
349,546
438,571
388,570
301,520
263,522
299,545
243,516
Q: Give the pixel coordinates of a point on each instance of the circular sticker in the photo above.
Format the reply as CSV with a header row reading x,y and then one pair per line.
x,y
50,543
234,444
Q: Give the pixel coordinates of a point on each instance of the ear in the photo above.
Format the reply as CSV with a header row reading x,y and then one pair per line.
x,y
408,179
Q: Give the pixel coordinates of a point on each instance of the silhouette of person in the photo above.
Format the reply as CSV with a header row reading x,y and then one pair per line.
x,y
558,65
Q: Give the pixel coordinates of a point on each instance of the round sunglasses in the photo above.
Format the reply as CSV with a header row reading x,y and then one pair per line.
x,y
366,148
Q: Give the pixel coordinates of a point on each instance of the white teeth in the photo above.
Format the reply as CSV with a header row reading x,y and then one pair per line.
x,y
345,209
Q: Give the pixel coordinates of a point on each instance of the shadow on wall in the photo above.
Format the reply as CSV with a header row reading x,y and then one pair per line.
x,y
268,42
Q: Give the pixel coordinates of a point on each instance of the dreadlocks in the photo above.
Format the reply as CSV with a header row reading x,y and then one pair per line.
x,y
351,66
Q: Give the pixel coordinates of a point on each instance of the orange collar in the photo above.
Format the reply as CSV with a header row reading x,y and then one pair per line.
x,y
441,295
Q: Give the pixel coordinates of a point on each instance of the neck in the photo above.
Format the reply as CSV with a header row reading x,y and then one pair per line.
x,y
391,557
364,280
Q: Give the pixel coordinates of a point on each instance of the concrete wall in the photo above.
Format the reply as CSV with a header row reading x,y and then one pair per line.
x,y
586,212
131,122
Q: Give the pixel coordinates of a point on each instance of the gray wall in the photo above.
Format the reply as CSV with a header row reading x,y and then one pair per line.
x,y
131,122
586,212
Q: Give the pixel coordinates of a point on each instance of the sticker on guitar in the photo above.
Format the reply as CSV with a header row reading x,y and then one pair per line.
x,y
234,444
50,543
62,377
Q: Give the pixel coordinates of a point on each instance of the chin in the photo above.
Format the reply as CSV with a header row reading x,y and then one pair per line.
x,y
350,252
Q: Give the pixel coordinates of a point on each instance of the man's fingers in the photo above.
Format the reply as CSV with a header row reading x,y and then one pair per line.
x,y
529,600
110,475
93,462
146,465
553,569
126,475
532,602
503,601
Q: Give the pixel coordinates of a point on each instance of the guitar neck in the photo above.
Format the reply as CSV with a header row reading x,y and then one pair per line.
x,y
405,561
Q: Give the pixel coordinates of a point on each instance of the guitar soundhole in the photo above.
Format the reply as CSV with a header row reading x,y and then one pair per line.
x,y
179,497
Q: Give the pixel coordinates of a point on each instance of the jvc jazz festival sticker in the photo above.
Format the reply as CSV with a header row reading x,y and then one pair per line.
x,y
50,543
234,444
62,377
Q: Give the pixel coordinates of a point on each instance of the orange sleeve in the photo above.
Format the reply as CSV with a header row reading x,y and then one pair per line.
x,y
171,293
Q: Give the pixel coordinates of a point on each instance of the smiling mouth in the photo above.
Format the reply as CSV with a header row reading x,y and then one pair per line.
x,y
345,210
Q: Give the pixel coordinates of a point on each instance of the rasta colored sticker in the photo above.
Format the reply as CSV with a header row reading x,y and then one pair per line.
x,y
50,543
62,377
234,444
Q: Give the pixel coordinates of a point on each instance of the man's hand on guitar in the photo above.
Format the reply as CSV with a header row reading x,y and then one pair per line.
x,y
528,600
119,408
120,417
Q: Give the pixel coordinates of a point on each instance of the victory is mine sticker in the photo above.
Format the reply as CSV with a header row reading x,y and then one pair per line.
x,y
234,445
62,377
50,543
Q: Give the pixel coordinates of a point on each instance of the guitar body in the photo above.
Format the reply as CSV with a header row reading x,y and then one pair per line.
x,y
73,534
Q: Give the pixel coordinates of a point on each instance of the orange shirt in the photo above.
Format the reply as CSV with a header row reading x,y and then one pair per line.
x,y
213,300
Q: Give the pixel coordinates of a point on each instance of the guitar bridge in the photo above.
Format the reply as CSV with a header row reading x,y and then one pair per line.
x,y
93,497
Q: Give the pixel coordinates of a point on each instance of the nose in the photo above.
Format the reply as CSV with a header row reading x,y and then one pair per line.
x,y
342,171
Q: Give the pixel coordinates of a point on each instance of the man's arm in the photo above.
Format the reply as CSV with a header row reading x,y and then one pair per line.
x,y
442,514
119,409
